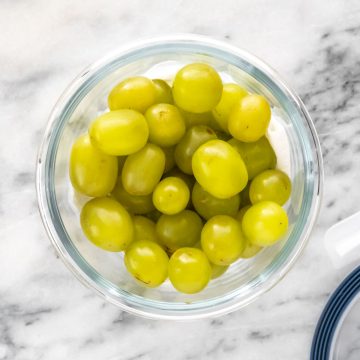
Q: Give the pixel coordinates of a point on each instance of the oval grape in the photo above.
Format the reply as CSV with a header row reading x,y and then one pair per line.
x,y
265,223
120,132
197,88
189,270
107,224
272,185
171,195
222,240
219,169
143,170
166,125
92,172
147,262
249,118
179,230
136,93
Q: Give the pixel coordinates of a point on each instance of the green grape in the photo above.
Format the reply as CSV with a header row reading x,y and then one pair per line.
x,y
197,88
250,250
219,169
163,92
208,206
120,132
136,204
144,229
166,125
231,94
239,216
189,270
147,262
272,185
143,170
136,93
179,230
169,158
189,180
258,156
171,195
92,172
222,240
121,162
249,118
217,270
244,195
193,119
194,137
107,224
265,223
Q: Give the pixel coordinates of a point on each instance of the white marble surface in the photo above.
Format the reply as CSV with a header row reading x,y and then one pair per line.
x,y
45,313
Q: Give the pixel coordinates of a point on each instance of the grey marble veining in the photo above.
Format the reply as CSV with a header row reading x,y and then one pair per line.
x,y
45,313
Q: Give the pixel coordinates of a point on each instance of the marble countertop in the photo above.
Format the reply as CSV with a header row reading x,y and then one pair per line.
x,y
45,313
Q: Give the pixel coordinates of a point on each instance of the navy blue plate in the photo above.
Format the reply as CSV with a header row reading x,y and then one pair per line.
x,y
331,315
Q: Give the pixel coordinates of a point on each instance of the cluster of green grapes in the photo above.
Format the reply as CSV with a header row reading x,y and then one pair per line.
x,y
183,178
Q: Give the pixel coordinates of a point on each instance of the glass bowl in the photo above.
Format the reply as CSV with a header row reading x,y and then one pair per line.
x,y
291,132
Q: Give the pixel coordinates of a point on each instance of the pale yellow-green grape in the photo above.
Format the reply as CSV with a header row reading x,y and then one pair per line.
x,y
250,250
217,270
249,118
208,206
144,229
163,92
147,262
189,270
239,216
169,158
219,169
189,180
171,195
231,94
136,204
258,155
222,240
107,224
166,125
194,137
197,88
137,93
179,230
143,170
272,185
265,223
193,119
92,172
120,132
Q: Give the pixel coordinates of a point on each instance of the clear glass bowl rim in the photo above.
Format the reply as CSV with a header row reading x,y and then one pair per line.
x,y
52,221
